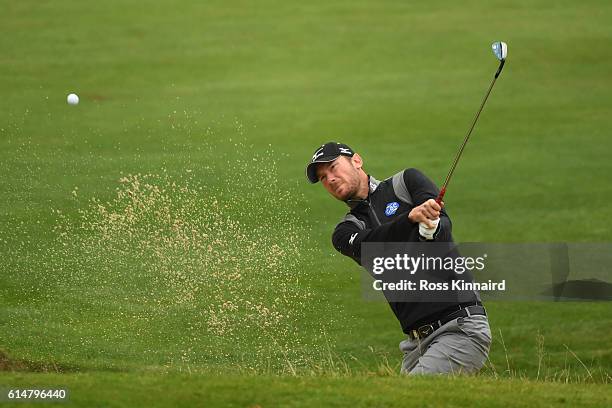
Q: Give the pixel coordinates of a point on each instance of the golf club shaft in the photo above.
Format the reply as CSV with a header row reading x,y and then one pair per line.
x,y
467,137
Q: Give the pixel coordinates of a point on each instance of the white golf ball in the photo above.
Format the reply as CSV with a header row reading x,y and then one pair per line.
x,y
72,99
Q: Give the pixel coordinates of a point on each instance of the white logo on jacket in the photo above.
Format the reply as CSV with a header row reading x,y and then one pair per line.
x,y
353,236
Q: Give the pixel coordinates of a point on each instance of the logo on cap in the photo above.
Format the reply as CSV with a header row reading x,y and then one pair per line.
x,y
317,154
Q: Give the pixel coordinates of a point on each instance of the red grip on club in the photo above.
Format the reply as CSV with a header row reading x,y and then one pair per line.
x,y
441,196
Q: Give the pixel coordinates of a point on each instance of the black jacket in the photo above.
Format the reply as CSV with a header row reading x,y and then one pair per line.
x,y
383,217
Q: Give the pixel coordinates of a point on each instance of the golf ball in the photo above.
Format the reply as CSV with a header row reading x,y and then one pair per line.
x,y
72,99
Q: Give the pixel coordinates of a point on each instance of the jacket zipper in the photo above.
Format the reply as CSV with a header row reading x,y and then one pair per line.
x,y
373,213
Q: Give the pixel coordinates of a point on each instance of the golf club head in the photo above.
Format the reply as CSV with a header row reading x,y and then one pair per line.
x,y
500,49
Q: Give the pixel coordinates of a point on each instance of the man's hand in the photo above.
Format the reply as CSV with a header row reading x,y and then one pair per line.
x,y
428,234
426,213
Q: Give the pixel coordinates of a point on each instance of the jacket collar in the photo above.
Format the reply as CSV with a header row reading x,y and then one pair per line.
x,y
373,185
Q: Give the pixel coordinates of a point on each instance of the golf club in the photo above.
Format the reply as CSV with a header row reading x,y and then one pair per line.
x,y
500,49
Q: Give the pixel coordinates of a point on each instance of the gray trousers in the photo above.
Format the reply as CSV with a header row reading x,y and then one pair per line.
x,y
460,346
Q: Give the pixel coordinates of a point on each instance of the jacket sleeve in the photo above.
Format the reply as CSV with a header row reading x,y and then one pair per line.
x,y
422,189
352,232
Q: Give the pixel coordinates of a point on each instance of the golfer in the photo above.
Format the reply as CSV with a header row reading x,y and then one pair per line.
x,y
442,337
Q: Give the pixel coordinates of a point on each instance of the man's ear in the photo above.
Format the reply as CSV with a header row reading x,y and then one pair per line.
x,y
357,161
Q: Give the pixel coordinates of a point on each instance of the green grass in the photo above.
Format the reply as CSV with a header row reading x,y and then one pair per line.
x,y
173,86
184,390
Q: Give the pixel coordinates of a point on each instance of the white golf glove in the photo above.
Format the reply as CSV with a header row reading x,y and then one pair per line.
x,y
428,233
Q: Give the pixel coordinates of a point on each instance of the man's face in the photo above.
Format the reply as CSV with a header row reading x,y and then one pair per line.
x,y
341,177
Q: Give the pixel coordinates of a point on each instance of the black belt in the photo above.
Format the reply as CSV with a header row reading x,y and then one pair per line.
x,y
425,330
